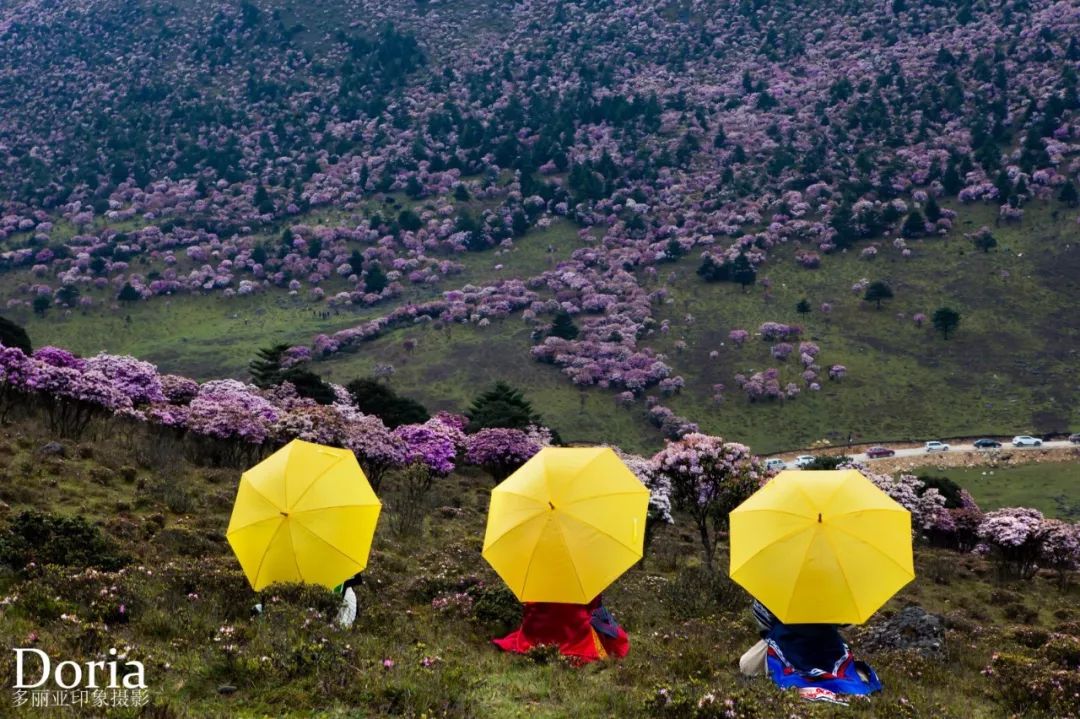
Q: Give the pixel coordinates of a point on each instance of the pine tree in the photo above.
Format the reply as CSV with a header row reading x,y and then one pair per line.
x,y
914,225
262,200
356,262
951,181
743,272
563,326
501,406
265,369
1069,194
375,281
128,293
932,209
13,335
803,307
842,222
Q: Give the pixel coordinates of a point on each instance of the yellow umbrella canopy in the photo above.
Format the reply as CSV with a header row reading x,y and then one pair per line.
x,y
304,514
566,524
821,547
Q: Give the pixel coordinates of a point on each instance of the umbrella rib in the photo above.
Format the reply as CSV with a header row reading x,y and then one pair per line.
x,y
335,548
256,490
581,472
800,515
532,557
298,512
314,481
753,556
518,494
234,530
262,559
860,540
802,565
597,529
296,562
843,572
523,522
570,556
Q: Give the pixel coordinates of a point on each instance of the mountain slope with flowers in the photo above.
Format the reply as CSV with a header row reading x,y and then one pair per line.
x,y
367,178
117,540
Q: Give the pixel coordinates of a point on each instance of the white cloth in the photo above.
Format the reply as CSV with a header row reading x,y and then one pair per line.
x,y
752,663
347,614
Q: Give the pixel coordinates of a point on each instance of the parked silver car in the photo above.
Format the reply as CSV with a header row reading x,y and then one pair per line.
x,y
936,446
1025,440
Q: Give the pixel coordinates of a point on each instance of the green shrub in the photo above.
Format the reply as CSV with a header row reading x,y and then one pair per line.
x,y
829,462
1030,637
53,539
697,592
495,606
1030,687
1061,651
304,596
40,603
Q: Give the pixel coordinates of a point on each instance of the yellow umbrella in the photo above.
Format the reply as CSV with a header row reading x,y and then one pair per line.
x,y
566,524
304,514
821,547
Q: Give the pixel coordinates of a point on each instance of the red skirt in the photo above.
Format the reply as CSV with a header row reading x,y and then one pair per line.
x,y
567,625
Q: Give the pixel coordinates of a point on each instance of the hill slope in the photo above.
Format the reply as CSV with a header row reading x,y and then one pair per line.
x,y
265,172
170,594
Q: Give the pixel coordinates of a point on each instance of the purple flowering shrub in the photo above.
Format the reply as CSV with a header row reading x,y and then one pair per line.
x,y
499,451
709,478
1013,536
1060,548
433,444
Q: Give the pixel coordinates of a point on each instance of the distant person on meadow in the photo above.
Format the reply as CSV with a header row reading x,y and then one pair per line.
x,y
584,632
812,658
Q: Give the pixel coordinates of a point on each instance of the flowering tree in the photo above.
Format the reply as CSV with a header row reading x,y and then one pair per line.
x,y
1060,548
926,505
709,478
499,451
377,449
1013,536
957,527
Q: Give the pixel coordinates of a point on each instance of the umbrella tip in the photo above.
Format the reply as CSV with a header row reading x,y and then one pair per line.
x,y
550,504
286,514
819,517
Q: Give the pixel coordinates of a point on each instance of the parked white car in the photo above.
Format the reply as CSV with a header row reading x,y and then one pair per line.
x,y
1024,440
804,460
936,446
775,464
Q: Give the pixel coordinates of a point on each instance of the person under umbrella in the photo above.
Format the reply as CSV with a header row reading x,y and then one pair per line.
x,y
813,658
583,632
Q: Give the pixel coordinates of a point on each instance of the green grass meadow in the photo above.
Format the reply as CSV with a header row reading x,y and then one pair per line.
x,y
1051,487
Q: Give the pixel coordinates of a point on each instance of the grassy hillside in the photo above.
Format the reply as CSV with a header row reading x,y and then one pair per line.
x,y
1011,367
1051,487
186,612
